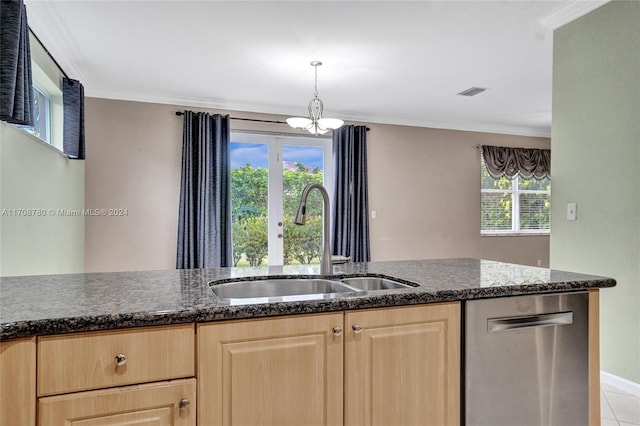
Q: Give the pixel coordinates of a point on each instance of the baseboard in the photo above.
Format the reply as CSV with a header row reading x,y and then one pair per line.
x,y
618,382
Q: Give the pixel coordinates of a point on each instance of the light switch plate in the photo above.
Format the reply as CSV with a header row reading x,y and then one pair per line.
x,y
572,213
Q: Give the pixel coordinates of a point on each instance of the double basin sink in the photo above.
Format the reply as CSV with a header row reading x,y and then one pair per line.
x,y
282,287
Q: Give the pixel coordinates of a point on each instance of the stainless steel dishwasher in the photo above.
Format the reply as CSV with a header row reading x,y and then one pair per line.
x,y
526,361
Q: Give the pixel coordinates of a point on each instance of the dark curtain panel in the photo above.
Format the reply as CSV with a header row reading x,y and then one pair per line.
x,y
16,88
204,221
509,162
73,102
351,205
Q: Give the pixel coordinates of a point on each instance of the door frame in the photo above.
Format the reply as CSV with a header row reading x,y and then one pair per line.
x,y
275,143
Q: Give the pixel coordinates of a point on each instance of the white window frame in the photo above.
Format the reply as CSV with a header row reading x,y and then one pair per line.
x,y
276,143
515,192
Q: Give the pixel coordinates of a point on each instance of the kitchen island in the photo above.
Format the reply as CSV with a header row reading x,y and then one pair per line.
x,y
77,328
54,304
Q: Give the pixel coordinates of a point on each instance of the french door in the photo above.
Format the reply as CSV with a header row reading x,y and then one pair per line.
x,y
268,174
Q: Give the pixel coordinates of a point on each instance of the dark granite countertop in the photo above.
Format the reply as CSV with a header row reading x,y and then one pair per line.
x,y
52,304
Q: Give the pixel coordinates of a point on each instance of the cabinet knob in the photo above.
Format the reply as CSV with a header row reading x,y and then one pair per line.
x,y
357,328
184,404
120,360
337,331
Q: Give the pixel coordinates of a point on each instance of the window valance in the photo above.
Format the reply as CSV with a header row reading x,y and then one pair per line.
x,y
511,162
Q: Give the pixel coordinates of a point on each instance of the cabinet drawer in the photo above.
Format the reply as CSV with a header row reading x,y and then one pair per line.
x,y
71,363
165,403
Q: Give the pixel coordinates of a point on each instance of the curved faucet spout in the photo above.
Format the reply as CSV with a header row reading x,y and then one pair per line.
x,y
326,267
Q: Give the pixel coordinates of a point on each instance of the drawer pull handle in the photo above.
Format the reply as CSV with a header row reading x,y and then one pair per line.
x,y
184,404
120,360
337,331
357,329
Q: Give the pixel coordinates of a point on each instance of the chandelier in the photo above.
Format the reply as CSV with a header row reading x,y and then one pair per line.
x,y
315,124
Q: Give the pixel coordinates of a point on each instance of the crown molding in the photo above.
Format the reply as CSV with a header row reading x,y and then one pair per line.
x,y
351,117
48,26
570,12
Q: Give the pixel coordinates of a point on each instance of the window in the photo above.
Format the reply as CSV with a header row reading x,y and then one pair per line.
x,y
268,174
47,97
514,206
42,116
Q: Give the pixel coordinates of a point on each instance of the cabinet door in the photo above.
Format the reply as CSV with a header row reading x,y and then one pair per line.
x,y
402,366
18,382
282,371
158,404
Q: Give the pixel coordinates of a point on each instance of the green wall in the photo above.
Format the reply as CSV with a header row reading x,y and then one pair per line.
x,y
34,175
595,147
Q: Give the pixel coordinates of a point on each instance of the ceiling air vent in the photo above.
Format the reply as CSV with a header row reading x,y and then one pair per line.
x,y
472,91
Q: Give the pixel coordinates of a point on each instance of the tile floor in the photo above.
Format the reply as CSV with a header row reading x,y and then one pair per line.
x,y
618,408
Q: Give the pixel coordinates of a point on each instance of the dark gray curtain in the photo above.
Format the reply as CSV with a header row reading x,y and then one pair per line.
x,y
73,104
510,162
351,205
16,88
204,222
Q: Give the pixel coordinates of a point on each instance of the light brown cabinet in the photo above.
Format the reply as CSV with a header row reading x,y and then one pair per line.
x,y
279,371
18,382
86,378
369,367
160,404
401,366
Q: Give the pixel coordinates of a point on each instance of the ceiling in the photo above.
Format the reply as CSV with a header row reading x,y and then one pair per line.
x,y
393,62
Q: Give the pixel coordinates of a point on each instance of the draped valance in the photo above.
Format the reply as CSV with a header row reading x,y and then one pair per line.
x,y
511,162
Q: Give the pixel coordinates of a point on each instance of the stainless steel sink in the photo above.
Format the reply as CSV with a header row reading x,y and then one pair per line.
x,y
373,283
278,288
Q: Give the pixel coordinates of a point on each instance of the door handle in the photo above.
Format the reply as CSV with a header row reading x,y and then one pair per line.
x,y
528,321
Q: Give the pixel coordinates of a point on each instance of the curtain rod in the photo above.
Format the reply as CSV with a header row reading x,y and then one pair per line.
x,y
49,54
246,119
179,113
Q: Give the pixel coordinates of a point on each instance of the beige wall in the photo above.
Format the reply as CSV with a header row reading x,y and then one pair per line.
x,y
596,152
36,176
423,184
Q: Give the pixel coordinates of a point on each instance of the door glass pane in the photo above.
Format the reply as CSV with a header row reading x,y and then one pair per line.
x,y
302,165
249,192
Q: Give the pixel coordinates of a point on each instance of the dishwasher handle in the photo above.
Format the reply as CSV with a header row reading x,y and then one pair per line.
x,y
529,321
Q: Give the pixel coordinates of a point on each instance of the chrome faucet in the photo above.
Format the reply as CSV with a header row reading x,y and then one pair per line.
x,y
326,267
